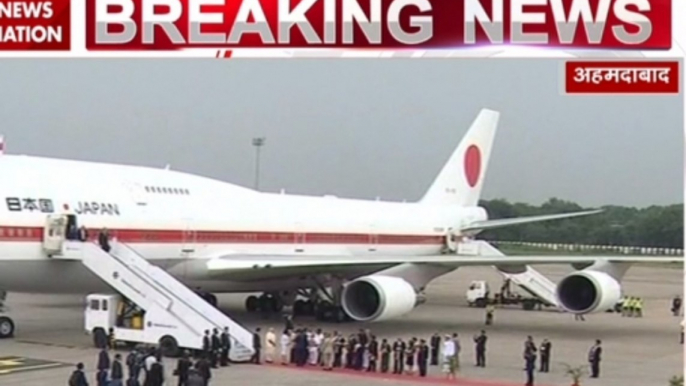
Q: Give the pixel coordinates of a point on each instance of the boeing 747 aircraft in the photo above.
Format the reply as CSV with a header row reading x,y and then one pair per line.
x,y
365,260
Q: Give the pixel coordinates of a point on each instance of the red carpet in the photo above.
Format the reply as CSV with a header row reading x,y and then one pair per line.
x,y
434,380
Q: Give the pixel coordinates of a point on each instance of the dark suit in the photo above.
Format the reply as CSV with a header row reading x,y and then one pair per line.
x,y
423,359
545,357
257,345
594,359
435,344
481,350
226,346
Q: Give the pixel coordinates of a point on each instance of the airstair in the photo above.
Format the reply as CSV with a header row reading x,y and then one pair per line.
x,y
530,280
167,302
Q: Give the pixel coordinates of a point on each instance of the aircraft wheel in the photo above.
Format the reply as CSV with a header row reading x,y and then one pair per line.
x,y
99,338
339,315
322,311
6,327
252,303
169,347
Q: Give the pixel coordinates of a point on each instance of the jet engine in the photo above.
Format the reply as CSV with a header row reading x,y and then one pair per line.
x,y
588,291
377,297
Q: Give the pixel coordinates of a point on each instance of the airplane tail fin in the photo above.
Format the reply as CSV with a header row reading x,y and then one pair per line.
x,y
461,179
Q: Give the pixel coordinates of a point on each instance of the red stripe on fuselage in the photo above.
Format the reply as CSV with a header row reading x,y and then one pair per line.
x,y
10,233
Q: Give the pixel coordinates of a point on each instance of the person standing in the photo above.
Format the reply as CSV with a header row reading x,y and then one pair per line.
x,y
288,322
103,367
204,369
285,343
398,350
104,240
490,311
422,357
183,367
338,348
449,367
207,345
225,341
676,305
373,351
410,357
480,348
117,372
530,366
639,307
458,350
546,347
327,350
594,359
131,363
78,378
385,356
215,349
435,344
257,346
270,346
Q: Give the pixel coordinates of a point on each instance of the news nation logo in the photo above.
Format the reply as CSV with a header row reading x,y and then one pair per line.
x,y
35,25
621,77
175,24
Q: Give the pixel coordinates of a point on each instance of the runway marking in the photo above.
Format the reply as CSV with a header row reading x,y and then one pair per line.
x,y
15,364
434,380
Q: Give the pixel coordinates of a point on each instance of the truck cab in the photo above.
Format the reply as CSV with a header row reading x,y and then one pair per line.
x,y
478,293
110,313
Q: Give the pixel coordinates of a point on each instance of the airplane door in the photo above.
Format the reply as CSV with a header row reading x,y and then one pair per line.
x,y
54,234
189,240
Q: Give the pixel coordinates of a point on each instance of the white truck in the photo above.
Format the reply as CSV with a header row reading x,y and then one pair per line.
x,y
110,313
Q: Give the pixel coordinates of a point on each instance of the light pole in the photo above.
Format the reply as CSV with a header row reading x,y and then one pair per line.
x,y
258,143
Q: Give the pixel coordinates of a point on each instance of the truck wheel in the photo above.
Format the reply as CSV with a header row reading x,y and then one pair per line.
x,y
169,347
528,305
481,302
99,338
6,327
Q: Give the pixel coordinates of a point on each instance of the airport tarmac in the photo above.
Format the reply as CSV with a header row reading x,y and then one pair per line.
x,y
636,351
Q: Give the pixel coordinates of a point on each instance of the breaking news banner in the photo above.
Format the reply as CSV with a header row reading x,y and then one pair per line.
x,y
625,77
35,25
389,24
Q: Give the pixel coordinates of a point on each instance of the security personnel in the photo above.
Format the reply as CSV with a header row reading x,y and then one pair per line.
x,y
639,307
422,357
546,347
386,355
435,344
398,356
225,347
530,358
480,342
216,346
676,305
257,346
594,359
206,345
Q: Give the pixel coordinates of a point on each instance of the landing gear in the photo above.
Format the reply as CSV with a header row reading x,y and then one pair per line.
x,y
6,323
6,327
267,303
207,296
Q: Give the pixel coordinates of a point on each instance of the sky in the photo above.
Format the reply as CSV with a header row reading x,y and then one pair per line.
x,y
357,128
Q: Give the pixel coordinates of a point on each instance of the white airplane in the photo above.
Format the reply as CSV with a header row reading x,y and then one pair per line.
x,y
367,260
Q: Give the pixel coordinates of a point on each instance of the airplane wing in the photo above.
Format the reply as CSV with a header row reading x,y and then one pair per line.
x,y
253,267
490,224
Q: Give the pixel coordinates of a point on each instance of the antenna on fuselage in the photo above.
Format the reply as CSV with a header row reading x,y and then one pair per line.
x,y
2,144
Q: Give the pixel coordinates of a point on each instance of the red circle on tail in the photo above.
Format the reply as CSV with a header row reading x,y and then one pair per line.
x,y
472,165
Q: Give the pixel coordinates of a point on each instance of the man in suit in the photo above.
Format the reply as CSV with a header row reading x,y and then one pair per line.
x,y
545,356
480,343
594,359
257,345
435,344
226,347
